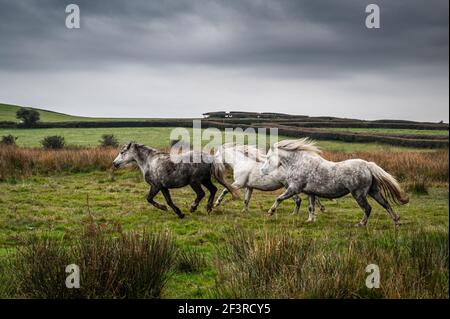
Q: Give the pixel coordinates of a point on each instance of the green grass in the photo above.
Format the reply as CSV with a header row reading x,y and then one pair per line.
x,y
388,131
157,137
59,206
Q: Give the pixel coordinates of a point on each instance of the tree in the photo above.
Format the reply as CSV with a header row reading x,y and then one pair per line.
x,y
29,117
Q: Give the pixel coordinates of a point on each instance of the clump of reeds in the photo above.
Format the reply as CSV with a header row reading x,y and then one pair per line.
x,y
129,266
414,265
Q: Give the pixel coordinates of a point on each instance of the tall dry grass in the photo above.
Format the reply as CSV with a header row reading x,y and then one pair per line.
x,y
404,165
414,168
24,162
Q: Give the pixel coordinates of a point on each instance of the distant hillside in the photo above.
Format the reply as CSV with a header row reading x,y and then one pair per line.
x,y
8,113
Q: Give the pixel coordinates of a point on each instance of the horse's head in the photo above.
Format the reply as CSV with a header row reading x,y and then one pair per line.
x,y
272,162
126,156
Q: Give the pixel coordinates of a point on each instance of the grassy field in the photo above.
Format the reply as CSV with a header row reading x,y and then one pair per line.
x,y
61,206
388,131
158,137
57,197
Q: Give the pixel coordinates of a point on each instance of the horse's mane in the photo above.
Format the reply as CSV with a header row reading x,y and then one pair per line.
x,y
250,151
303,144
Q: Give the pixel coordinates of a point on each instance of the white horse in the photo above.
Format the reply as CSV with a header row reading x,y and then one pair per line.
x,y
246,162
306,171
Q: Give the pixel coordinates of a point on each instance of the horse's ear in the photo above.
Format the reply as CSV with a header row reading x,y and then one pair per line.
x,y
129,145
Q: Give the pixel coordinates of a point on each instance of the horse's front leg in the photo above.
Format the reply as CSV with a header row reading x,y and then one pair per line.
x,y
288,193
151,195
298,202
248,195
169,201
321,206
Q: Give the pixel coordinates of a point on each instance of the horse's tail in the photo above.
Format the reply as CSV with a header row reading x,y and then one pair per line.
x,y
388,184
218,171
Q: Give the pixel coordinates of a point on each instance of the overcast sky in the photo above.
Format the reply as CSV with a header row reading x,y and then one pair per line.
x,y
181,58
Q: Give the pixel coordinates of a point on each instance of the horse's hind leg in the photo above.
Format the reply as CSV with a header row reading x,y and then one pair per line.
x,y
376,194
200,194
212,193
237,185
150,198
311,209
298,202
169,201
221,196
361,199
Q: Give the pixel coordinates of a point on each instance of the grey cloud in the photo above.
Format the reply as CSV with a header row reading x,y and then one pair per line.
x,y
247,34
296,56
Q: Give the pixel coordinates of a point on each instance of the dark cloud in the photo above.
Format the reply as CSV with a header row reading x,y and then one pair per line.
x,y
280,41
252,33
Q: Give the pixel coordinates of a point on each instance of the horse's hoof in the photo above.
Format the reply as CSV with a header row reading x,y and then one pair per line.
x,y
310,221
181,216
192,209
244,211
361,224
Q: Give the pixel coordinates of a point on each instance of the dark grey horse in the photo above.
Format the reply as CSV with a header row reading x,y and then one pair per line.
x,y
161,173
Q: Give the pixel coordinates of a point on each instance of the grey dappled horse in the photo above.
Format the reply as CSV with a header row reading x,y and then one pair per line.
x,y
306,171
162,174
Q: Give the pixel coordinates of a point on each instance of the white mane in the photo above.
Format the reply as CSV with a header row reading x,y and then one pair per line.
x,y
250,151
304,144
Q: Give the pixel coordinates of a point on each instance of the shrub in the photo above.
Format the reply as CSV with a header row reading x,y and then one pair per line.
x,y
8,140
109,140
53,142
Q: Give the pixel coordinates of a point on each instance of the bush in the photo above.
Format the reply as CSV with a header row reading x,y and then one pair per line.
x,y
109,140
53,142
130,266
8,140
